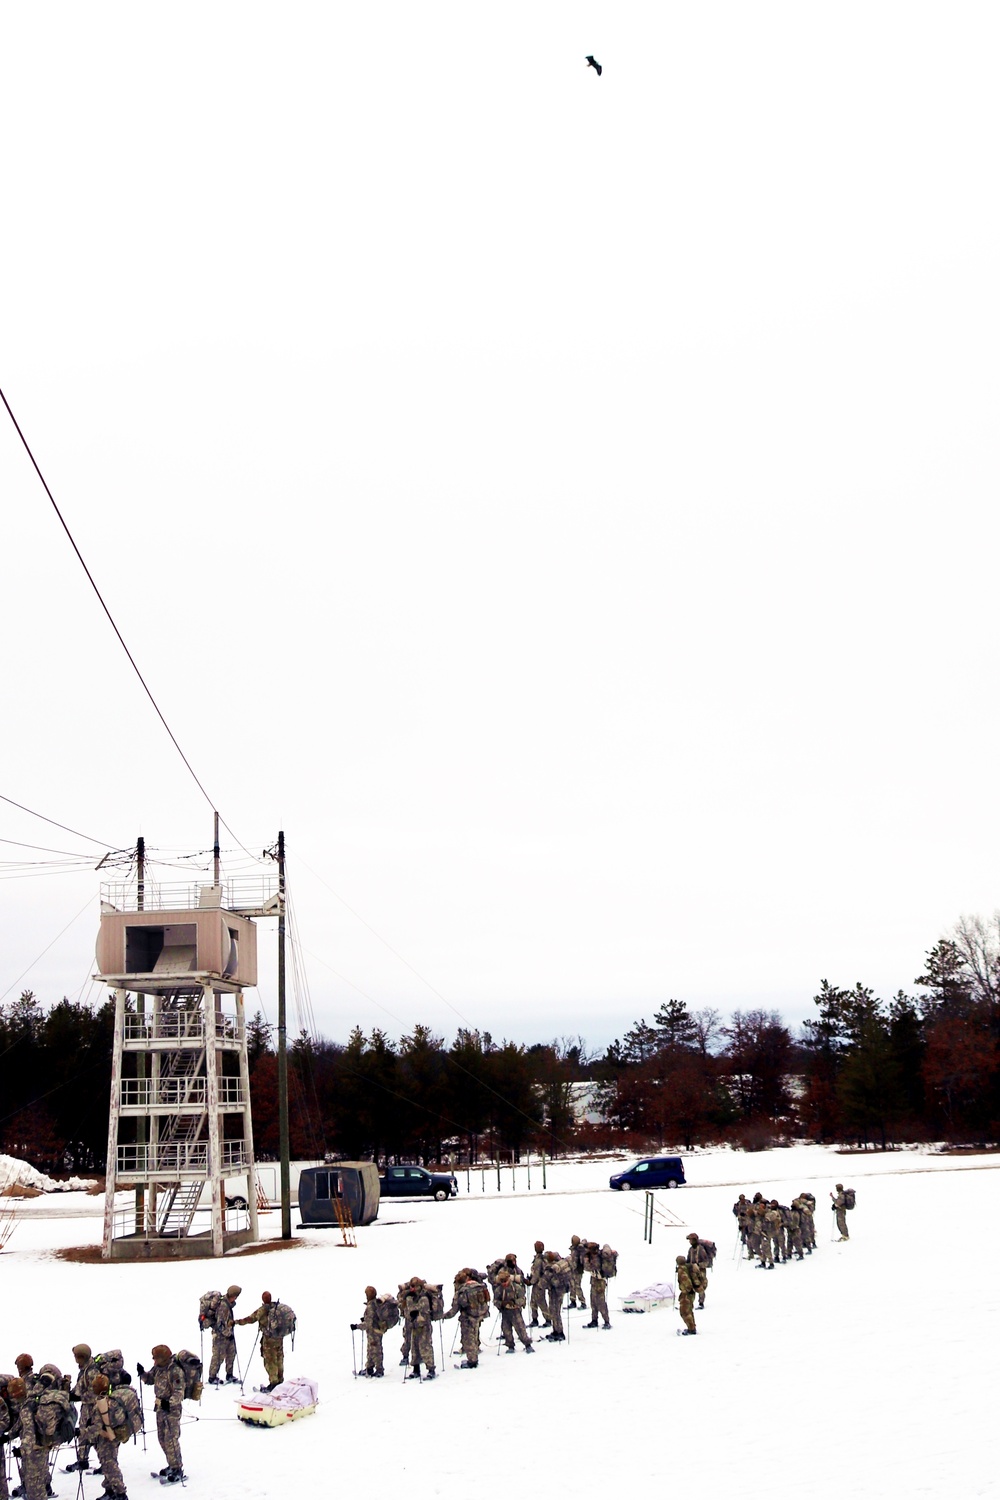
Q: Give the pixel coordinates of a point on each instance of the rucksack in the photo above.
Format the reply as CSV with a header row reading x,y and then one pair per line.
x,y
280,1321
712,1252
208,1309
125,1413
608,1261
474,1299
435,1297
54,1418
386,1313
698,1278
849,1198
190,1366
112,1365
492,1269
557,1275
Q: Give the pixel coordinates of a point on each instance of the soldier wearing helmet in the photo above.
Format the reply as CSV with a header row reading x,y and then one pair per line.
x,y
167,1379
97,1427
224,1339
539,1296
83,1354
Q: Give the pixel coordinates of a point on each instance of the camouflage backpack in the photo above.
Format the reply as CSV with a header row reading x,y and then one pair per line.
x,y
492,1269
435,1296
112,1365
699,1280
849,1198
386,1313
125,1413
474,1299
190,1367
54,1418
711,1249
608,1262
557,1275
208,1309
280,1321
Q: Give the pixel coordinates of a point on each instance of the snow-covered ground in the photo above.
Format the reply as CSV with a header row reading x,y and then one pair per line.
x,y
867,1370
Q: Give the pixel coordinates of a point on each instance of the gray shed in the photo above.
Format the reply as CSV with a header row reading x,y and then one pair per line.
x,y
354,1182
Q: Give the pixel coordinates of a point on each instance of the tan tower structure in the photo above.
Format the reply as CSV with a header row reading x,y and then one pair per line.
x,y
179,1130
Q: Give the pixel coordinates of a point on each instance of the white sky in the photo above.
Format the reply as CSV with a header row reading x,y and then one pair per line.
x,y
567,505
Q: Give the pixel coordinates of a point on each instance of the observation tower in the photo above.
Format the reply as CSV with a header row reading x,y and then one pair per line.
x,y
178,959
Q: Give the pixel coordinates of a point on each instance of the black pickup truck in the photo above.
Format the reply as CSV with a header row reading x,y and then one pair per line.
x,y
417,1182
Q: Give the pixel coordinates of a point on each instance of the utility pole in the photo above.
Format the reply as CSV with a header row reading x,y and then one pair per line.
x,y
140,1003
215,854
286,1197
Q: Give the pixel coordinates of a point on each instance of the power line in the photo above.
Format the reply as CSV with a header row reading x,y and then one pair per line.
x,y
44,849
45,950
104,843
111,620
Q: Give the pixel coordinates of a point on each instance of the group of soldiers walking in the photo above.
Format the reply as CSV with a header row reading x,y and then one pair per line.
x,y
99,1409
504,1286
773,1233
40,1410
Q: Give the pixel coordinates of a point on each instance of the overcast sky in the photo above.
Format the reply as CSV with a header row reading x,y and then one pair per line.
x,y
566,505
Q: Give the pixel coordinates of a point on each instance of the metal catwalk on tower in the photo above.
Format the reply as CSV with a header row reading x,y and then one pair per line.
x,y
180,1137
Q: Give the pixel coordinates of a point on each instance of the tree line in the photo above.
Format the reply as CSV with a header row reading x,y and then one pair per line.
x,y
924,1066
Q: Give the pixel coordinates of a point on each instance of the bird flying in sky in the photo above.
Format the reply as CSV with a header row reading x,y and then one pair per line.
x,y
593,63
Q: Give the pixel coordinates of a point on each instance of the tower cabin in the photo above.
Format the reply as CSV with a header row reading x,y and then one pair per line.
x,y
179,1129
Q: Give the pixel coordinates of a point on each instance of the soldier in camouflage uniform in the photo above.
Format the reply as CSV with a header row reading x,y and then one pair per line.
x,y
577,1248
83,1354
598,1285
6,1422
779,1229
685,1277
374,1332
539,1298
508,1296
272,1346
167,1379
96,1428
25,1367
404,1347
741,1213
470,1305
762,1239
698,1255
555,1279
772,1223
418,1315
807,1206
840,1209
34,1458
795,1230
224,1339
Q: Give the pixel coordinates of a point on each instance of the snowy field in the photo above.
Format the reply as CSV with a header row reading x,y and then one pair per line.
x,y
867,1370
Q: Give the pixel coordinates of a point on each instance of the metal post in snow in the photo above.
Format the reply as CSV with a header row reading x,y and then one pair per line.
x,y
498,1174
544,1179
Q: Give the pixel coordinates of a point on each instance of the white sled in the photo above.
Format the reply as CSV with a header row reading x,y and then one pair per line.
x,y
660,1294
286,1403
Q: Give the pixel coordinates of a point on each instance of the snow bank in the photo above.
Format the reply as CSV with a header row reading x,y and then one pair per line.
x,y
15,1173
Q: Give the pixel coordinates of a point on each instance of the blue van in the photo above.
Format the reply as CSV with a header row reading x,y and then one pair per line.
x,y
651,1172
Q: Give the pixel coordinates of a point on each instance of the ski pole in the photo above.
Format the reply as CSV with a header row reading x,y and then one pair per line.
x,y
354,1354
441,1342
250,1360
